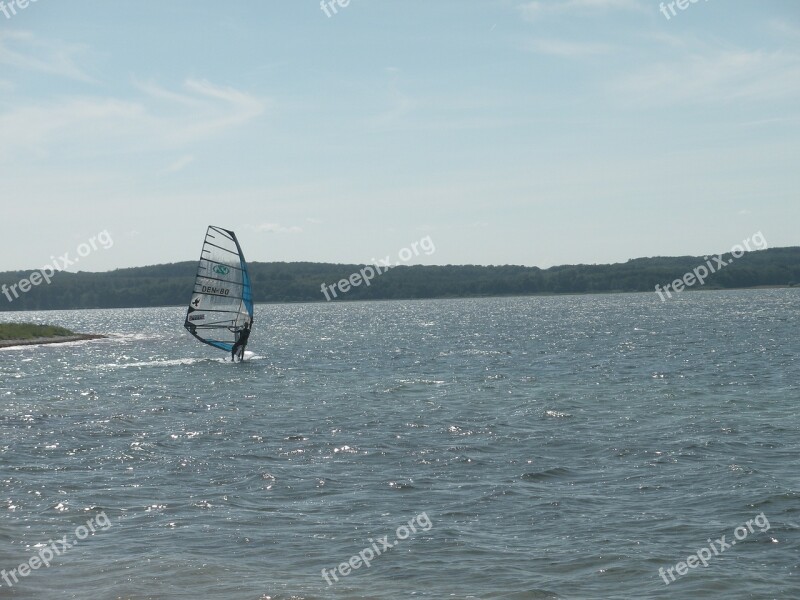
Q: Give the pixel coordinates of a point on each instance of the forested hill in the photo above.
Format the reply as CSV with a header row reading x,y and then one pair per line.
x,y
171,284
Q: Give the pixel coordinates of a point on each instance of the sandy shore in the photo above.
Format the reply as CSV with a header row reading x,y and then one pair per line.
x,y
51,340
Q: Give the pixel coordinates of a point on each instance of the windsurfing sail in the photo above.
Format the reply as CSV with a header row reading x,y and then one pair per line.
x,y
222,302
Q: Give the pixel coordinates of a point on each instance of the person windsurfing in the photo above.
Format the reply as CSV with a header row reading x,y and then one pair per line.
x,y
241,341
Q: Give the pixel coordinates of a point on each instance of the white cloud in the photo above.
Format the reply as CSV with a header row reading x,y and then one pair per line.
x,y
180,164
275,228
567,49
532,11
214,109
94,122
25,51
34,127
161,120
158,93
399,105
713,76
784,28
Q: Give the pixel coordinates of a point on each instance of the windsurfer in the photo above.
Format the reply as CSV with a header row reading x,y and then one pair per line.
x,y
241,341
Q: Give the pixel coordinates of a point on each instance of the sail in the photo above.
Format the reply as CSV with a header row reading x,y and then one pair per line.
x,y
222,301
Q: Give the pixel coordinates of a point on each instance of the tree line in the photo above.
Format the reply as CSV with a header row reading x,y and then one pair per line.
x,y
172,284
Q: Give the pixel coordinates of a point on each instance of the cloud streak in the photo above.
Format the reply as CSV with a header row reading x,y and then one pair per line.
x,y
567,49
24,51
275,228
713,77
213,109
160,119
532,11
180,164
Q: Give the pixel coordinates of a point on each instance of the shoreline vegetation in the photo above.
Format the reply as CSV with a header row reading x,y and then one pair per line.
x,y
29,334
282,282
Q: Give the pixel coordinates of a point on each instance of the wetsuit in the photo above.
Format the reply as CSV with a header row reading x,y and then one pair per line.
x,y
241,342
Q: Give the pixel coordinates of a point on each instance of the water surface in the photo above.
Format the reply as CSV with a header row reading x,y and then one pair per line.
x,y
561,447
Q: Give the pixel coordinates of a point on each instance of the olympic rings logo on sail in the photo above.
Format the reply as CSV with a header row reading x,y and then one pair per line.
x,y
220,269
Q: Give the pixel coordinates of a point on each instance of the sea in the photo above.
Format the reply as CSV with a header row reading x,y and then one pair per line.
x,y
575,447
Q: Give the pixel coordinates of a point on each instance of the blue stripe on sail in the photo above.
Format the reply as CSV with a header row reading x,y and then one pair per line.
x,y
220,345
247,293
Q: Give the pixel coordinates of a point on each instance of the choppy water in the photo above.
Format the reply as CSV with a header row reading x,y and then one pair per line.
x,y
560,447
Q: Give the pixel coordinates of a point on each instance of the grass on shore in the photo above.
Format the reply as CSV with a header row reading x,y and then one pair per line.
x,y
28,331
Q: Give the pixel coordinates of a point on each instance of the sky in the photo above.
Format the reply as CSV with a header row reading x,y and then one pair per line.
x,y
508,132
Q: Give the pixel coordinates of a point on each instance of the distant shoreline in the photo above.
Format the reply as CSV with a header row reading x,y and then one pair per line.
x,y
78,337
303,282
345,300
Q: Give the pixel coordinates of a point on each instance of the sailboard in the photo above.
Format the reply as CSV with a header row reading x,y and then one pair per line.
x,y
222,300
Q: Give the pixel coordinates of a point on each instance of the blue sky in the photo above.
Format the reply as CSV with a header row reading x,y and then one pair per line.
x,y
528,132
